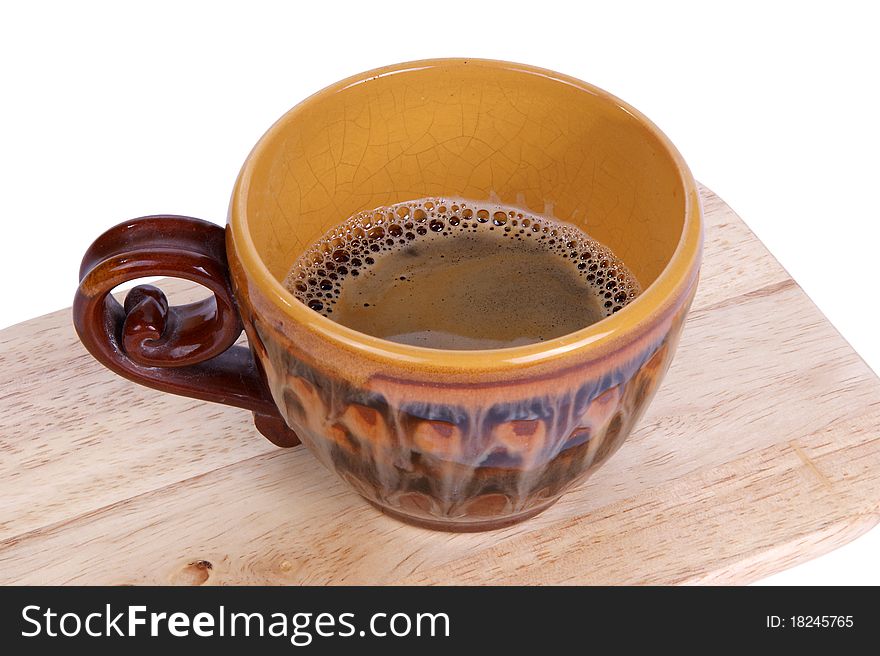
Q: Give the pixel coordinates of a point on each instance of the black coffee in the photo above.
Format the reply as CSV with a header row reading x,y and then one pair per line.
x,y
457,274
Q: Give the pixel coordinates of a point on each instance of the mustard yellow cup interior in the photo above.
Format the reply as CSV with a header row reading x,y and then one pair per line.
x,y
480,130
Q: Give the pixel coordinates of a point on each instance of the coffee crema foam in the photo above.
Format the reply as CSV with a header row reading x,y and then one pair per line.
x,y
504,250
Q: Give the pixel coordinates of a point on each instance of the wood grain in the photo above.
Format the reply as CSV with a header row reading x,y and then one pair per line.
x,y
760,451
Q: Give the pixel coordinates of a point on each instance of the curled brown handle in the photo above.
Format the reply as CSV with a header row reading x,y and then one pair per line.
x,y
189,349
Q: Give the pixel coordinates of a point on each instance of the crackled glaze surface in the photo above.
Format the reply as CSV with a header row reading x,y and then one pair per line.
x,y
464,439
470,129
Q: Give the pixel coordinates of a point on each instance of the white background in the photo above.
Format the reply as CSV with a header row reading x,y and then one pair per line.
x,y
116,110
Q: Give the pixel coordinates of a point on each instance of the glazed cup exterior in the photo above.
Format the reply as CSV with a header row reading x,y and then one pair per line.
x,y
464,440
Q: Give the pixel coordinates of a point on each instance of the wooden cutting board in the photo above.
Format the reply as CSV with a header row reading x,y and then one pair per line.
x,y
760,451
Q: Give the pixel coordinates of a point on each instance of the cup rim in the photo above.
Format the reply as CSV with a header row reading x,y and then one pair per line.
x,y
675,277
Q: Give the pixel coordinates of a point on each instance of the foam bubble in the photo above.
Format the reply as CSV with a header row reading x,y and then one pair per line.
x,y
352,247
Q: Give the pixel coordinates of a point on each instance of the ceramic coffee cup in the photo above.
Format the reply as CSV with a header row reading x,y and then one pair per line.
x,y
453,440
